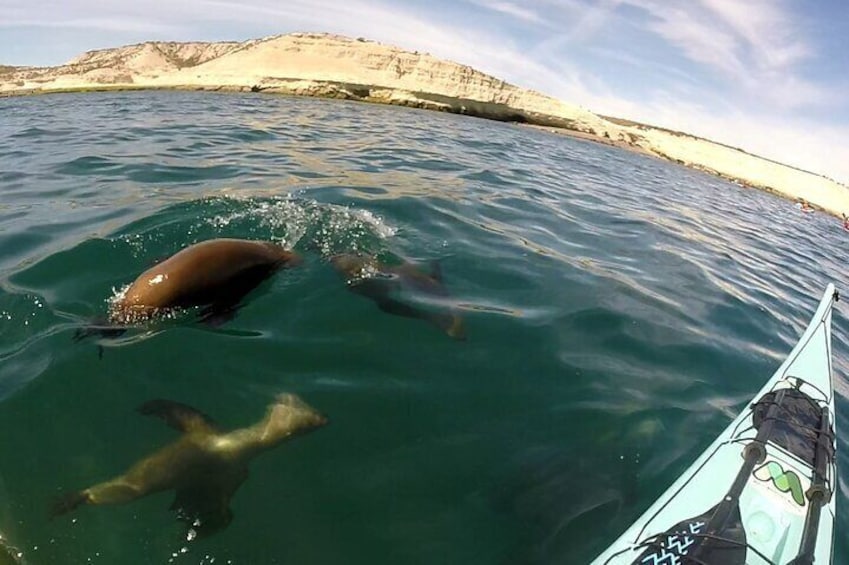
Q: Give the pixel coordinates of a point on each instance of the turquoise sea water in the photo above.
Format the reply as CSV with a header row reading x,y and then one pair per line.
x,y
620,310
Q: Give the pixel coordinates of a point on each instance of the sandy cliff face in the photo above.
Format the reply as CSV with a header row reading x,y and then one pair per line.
x,y
153,56
340,59
341,67
309,64
132,64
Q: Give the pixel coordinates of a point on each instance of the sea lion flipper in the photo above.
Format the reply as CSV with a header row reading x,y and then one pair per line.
x,y
67,502
205,508
453,325
217,315
450,323
225,306
177,415
99,327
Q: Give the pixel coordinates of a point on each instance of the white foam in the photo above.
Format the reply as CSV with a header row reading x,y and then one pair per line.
x,y
326,227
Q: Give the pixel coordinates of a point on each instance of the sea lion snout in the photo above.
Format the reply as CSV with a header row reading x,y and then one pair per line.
x,y
351,265
296,415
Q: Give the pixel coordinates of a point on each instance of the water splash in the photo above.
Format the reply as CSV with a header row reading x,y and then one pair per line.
x,y
314,225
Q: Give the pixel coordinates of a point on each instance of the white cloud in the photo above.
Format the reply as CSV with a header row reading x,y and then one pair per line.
x,y
700,42
510,9
766,28
756,45
109,24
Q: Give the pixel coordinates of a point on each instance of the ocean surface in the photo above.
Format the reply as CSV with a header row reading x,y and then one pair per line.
x,y
619,310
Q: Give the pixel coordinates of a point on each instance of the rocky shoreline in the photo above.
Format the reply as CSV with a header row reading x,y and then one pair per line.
x,y
330,66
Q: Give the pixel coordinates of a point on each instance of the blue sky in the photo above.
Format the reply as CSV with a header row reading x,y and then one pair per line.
x,y
770,76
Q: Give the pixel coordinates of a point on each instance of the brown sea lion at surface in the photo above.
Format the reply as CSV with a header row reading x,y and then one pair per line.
x,y
216,274
368,277
205,466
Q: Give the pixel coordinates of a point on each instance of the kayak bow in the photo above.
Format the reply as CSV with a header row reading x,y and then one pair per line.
x,y
762,493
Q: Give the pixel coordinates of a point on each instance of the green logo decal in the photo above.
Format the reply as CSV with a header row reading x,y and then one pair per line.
x,y
785,481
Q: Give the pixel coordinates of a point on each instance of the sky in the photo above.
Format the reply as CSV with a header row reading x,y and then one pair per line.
x,y
767,76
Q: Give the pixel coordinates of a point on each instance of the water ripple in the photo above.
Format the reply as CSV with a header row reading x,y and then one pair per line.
x,y
619,309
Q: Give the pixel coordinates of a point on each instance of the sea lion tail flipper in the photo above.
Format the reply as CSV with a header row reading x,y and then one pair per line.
x,y
181,417
67,502
452,324
456,329
99,327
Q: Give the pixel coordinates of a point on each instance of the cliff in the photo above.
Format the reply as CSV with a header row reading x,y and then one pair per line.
x,y
340,67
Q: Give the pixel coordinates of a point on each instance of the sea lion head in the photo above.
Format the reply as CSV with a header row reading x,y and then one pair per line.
x,y
290,415
352,265
349,264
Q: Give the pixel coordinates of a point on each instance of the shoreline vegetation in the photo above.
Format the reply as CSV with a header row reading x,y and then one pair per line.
x,y
337,67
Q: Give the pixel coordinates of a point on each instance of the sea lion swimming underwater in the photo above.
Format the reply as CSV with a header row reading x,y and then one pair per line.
x,y
216,274
368,277
205,466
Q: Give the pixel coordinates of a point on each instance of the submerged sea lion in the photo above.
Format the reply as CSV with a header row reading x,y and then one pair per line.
x,y
216,274
205,466
366,276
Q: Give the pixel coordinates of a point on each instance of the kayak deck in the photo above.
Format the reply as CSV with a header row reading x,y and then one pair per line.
x,y
762,492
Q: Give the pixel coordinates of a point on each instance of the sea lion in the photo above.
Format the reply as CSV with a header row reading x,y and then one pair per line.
x,y
368,277
216,274
205,466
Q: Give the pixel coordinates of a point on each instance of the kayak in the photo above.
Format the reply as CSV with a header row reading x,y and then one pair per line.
x,y
762,493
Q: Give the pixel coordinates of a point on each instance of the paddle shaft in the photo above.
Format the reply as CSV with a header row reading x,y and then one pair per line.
x,y
753,453
818,495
